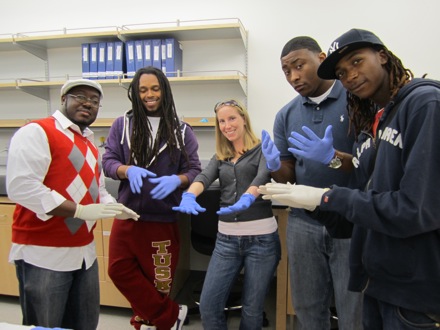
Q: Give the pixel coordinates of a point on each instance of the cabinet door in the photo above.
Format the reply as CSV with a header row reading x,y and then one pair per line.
x,y
110,295
8,279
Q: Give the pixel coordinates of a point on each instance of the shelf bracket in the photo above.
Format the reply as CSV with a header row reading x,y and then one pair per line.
x,y
41,92
243,84
123,84
35,50
120,35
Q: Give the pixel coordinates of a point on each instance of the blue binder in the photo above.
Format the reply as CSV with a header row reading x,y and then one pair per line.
x,y
93,60
129,57
163,56
102,57
85,61
138,54
173,57
109,62
119,62
157,50
148,54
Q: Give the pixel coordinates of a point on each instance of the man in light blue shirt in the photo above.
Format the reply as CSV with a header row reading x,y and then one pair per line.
x,y
318,263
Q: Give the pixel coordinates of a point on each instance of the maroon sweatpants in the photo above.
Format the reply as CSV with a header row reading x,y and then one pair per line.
x,y
142,261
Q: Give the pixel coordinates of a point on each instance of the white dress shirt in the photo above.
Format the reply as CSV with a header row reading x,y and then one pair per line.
x,y
29,159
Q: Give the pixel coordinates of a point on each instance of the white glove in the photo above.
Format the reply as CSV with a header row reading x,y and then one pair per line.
x,y
93,212
127,214
297,196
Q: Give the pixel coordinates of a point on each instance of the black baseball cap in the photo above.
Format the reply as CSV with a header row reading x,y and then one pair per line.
x,y
349,41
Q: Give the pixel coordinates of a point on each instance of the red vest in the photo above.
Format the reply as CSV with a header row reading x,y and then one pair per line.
x,y
74,173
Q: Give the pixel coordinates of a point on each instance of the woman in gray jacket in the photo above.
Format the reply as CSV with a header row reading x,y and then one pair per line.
x,y
247,231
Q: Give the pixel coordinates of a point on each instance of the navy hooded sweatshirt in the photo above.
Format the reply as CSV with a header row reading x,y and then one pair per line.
x,y
395,248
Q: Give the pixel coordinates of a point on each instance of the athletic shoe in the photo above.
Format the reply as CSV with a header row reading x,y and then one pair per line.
x,y
147,327
183,310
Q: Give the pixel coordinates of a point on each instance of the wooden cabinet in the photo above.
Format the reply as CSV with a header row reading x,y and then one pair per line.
x,y
110,295
284,307
8,279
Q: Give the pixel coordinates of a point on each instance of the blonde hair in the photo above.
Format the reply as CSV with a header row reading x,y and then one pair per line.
x,y
224,147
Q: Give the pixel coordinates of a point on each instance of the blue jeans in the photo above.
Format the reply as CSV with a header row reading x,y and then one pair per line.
x,y
259,256
379,315
319,271
59,299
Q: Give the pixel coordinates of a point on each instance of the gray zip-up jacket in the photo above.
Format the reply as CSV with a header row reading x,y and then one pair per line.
x,y
249,170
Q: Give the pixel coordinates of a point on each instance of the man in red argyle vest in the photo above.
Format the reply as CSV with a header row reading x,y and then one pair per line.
x,y
54,175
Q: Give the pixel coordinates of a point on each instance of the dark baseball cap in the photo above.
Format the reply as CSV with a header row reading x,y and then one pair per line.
x,y
349,41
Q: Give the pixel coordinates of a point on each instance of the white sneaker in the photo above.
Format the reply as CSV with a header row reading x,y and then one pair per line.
x,y
147,327
183,310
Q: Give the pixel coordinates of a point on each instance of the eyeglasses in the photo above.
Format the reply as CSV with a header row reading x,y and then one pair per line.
x,y
82,99
230,103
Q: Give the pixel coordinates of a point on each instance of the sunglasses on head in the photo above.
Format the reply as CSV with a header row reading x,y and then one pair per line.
x,y
230,103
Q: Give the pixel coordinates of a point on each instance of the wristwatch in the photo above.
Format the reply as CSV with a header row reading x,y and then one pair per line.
x,y
336,162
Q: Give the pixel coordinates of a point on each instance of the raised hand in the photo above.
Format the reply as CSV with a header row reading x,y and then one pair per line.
x,y
311,146
270,152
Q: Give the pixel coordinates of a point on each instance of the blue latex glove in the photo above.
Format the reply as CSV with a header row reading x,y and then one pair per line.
x,y
165,186
135,175
312,147
189,205
270,152
242,204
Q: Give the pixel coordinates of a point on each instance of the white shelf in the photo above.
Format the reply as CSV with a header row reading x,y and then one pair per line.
x,y
233,76
36,64
182,30
38,43
107,122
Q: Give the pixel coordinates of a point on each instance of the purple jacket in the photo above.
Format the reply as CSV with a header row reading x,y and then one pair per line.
x,y
117,154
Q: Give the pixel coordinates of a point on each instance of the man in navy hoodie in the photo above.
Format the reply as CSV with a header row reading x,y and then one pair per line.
x,y
395,251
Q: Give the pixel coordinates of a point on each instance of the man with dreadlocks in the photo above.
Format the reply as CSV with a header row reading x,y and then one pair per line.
x,y
395,255
154,155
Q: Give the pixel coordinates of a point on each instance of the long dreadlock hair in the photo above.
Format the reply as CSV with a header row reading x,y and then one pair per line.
x,y
362,112
169,127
